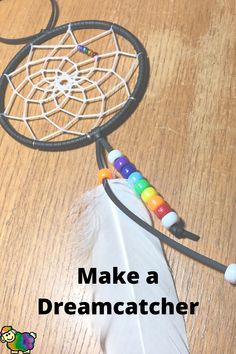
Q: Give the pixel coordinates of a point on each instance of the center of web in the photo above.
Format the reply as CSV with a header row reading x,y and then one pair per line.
x,y
64,82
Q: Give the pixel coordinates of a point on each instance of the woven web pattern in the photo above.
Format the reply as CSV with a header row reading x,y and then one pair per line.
x,y
50,88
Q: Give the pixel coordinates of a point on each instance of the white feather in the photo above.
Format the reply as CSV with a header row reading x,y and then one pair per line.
x,y
111,239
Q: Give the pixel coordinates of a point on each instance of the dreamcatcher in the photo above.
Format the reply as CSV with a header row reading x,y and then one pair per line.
x,y
71,86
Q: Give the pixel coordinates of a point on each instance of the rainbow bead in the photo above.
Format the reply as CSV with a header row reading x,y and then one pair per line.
x,y
134,178
162,210
155,202
120,163
104,173
127,170
148,193
85,50
141,185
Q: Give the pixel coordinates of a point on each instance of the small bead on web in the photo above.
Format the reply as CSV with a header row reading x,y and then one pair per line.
x,y
66,89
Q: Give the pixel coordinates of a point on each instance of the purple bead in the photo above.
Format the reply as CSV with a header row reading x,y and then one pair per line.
x,y
120,163
127,170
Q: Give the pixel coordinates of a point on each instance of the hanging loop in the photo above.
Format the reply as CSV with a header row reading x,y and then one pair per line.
x,y
51,24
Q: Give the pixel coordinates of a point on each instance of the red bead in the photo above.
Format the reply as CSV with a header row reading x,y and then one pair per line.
x,y
162,210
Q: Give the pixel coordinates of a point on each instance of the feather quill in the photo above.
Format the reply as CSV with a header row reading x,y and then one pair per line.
x,y
110,239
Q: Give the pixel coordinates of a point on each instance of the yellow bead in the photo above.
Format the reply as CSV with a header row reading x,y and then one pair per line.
x,y
104,173
148,193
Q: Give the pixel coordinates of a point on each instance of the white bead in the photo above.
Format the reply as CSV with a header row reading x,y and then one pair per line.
x,y
169,219
113,155
230,274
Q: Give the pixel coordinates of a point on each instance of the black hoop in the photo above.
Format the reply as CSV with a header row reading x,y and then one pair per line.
x,y
51,24
119,118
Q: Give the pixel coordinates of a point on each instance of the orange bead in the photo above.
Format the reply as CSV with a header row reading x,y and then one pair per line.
x,y
104,173
155,202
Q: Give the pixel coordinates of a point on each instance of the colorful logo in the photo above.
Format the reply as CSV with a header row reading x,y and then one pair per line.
x,y
16,341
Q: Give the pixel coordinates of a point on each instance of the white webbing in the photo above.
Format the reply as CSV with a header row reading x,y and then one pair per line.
x,y
51,84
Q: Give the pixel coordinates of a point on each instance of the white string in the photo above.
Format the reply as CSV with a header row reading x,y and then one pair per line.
x,y
52,84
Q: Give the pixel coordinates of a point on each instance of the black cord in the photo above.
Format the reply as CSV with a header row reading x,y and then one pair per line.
x,y
100,143
51,24
54,16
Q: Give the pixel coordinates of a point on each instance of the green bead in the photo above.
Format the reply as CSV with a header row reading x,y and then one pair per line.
x,y
141,185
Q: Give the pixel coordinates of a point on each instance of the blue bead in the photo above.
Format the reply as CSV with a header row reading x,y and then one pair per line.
x,y
127,170
134,178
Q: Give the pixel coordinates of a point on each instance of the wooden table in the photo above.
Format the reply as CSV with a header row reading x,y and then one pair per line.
x,y
183,139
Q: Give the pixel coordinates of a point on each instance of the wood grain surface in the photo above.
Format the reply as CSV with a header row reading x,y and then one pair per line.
x,y
183,140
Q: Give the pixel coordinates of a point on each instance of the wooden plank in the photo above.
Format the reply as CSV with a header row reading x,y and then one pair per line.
x,y
183,140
